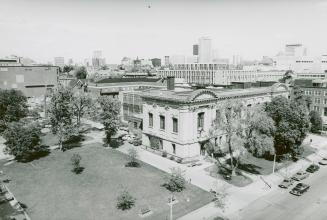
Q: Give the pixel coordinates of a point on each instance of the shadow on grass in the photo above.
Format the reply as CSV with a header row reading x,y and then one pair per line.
x,y
43,151
78,170
250,168
132,164
73,142
114,143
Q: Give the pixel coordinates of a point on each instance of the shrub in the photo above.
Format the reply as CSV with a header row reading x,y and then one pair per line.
x,y
179,160
164,154
76,160
133,155
125,200
172,157
176,181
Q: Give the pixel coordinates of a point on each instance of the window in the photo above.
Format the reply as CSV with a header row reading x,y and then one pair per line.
x,y
162,122
325,101
316,108
174,148
175,125
135,125
317,100
325,111
200,120
150,120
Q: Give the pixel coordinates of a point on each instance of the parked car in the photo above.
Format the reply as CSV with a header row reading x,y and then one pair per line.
x,y
299,189
323,162
300,175
312,168
286,183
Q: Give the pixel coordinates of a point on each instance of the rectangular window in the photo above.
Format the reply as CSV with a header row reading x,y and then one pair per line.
x,y
316,108
317,100
201,120
174,148
150,120
325,101
325,111
162,122
175,125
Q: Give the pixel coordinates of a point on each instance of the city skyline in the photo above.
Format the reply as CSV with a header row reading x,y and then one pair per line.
x,y
74,29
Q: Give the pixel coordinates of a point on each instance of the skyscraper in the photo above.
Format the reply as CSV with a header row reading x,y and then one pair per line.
x,y
97,59
195,49
205,53
59,61
167,61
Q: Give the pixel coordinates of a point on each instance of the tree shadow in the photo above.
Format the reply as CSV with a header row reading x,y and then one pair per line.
x,y
73,142
247,167
41,152
78,170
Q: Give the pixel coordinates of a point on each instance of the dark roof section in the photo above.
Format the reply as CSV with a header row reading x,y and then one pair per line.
x,y
121,80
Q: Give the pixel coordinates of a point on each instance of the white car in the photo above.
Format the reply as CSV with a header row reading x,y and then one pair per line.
x,y
323,162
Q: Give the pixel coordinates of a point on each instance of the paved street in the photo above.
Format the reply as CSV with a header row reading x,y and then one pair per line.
x,y
280,204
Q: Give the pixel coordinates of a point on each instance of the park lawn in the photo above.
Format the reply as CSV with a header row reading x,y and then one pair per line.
x,y
50,190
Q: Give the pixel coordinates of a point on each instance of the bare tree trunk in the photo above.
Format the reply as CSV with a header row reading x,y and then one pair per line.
x,y
231,155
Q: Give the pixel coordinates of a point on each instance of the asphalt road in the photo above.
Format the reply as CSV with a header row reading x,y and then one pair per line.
x,y
281,205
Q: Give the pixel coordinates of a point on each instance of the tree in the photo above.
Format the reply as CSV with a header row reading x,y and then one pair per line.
x,y
176,181
81,73
316,121
109,115
133,155
67,69
23,141
13,107
292,124
259,132
61,115
82,103
76,160
229,122
299,98
125,200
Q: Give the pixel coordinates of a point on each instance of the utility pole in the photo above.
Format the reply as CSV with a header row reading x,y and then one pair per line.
x,y
274,164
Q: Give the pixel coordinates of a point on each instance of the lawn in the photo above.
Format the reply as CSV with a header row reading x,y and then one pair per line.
x,y
51,190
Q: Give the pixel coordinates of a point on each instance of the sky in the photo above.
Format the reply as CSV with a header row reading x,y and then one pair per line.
x,y
44,29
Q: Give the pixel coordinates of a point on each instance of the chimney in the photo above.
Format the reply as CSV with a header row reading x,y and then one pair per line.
x,y
170,83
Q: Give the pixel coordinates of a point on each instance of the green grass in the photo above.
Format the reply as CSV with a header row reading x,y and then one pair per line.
x,y
52,191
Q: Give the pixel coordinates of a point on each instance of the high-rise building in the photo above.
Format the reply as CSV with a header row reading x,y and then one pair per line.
x,y
59,61
177,59
205,51
195,49
237,60
70,62
97,59
167,61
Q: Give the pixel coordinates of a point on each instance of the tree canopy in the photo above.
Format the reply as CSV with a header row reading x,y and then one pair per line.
x,y
81,73
23,140
316,121
13,107
292,124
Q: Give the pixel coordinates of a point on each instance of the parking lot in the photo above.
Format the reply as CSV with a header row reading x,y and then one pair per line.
x,y
280,204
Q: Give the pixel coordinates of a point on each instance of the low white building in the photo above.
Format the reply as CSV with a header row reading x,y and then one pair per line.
x,y
179,122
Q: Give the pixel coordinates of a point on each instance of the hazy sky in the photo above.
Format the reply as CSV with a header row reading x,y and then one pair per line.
x,y
43,29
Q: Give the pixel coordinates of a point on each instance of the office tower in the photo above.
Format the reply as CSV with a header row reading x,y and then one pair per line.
x,y
237,59
97,59
59,61
177,59
156,62
295,50
195,49
205,51
167,61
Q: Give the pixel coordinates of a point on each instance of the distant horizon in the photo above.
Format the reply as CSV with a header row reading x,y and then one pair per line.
x,y
44,29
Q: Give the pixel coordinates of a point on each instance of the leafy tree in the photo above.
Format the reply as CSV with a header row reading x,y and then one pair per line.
x,y
299,98
259,132
13,107
125,200
61,115
230,123
76,160
316,121
292,124
133,155
109,115
23,141
176,181
81,73
67,69
82,103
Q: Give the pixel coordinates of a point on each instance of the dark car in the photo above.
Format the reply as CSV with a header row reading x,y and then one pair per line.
x,y
299,189
300,175
323,162
286,183
312,168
